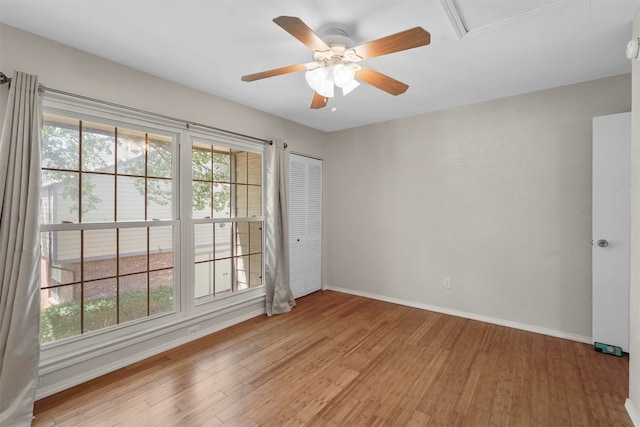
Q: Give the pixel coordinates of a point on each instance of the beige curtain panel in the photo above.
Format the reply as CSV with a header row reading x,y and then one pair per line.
x,y
278,289
19,251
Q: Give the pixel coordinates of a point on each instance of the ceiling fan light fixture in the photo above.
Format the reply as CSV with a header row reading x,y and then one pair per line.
x,y
321,80
349,87
316,77
342,75
326,89
324,79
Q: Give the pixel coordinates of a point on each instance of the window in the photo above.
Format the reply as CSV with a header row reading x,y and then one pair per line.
x,y
107,235
227,213
112,238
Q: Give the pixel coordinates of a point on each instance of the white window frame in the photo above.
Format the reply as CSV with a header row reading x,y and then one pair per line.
x,y
224,141
61,353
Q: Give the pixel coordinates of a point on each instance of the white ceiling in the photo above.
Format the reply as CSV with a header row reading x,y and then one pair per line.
x,y
507,47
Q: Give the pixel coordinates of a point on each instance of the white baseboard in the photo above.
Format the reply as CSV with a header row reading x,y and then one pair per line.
x,y
633,411
466,315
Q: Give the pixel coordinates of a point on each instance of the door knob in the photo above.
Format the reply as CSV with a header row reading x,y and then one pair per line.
x,y
602,243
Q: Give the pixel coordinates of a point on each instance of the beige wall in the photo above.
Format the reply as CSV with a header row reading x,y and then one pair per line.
x,y
495,196
633,404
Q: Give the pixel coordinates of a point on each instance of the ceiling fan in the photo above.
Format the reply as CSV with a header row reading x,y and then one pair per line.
x,y
336,63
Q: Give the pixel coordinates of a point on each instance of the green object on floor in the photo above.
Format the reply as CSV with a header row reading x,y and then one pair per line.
x,y
608,349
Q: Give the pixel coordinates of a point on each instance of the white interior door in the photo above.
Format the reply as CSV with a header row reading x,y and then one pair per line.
x,y
314,224
305,224
611,204
297,225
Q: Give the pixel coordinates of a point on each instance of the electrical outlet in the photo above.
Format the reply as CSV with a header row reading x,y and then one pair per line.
x,y
447,283
193,329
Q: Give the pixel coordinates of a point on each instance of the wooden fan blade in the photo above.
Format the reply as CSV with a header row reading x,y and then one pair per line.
x,y
382,82
301,31
275,72
415,37
318,101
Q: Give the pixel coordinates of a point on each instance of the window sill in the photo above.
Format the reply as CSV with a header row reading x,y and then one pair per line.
x,y
66,364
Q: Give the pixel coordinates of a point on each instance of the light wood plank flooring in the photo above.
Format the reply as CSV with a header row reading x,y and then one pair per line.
x,y
343,360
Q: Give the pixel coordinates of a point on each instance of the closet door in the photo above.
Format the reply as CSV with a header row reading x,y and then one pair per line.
x,y
314,224
305,224
297,225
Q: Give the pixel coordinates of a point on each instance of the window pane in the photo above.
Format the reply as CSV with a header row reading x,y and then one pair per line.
x,y
223,275
133,297
203,279
130,198
255,278
241,200
159,199
221,198
223,239
60,313
254,163
98,147
131,152
210,200
242,272
202,168
242,238
60,251
60,143
241,171
255,237
254,200
132,245
99,254
203,239
160,247
59,197
97,198
161,291
159,155
100,304
201,199
221,165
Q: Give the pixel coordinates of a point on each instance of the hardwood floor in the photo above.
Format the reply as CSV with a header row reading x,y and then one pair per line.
x,y
343,360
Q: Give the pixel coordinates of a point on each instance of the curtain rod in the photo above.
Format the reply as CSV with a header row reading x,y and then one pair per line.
x,y
4,80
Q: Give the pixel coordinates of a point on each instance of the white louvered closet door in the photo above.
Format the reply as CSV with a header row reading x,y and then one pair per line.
x,y
305,224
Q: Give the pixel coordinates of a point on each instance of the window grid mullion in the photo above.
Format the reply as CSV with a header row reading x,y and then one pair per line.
x,y
81,282
80,137
115,218
117,277
146,216
148,271
247,259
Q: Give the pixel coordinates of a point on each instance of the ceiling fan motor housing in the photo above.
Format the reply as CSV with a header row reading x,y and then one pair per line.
x,y
336,36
